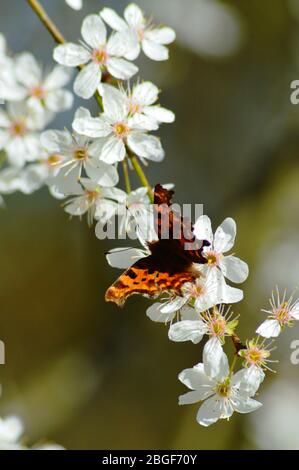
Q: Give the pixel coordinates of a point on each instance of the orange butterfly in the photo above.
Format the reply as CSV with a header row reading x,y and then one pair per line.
x,y
169,264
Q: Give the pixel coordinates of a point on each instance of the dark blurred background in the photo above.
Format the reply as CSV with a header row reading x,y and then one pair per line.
x,y
91,376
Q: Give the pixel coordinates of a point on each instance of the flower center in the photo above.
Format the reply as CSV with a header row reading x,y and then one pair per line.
x,y
54,160
140,33
223,389
218,327
91,196
282,314
256,356
121,130
81,154
134,108
195,290
100,56
18,128
212,258
38,92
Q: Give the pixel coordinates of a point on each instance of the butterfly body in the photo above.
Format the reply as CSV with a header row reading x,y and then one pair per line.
x,y
170,265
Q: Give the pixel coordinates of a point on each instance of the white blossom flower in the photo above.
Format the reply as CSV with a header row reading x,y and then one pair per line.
x,y
133,213
282,313
170,308
43,89
114,129
77,153
217,323
97,54
75,4
18,133
221,393
26,180
232,268
257,353
93,199
202,294
140,101
142,34
10,89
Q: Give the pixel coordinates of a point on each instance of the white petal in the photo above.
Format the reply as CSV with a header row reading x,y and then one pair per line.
x,y
245,406
59,100
118,44
133,48
234,269
269,329
196,378
71,55
4,137
247,381
155,314
114,102
113,151
154,51
113,19
105,212
28,71
145,93
173,305
16,152
101,173
215,360
146,146
58,78
94,31
75,4
77,207
163,35
225,235
193,397
4,119
142,122
123,258
82,113
92,127
121,68
210,411
187,331
203,229
189,313
88,80
227,294
57,142
160,114
134,16
295,311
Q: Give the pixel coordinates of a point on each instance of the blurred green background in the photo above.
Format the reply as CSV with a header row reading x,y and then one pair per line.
x,y
91,376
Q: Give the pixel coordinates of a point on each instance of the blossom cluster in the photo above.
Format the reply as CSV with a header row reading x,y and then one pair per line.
x,y
81,165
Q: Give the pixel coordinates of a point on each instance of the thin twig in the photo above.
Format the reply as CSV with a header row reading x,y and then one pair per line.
x,y
126,176
43,16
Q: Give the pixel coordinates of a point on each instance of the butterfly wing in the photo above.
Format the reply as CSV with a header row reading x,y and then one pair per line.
x,y
177,229
145,278
169,265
